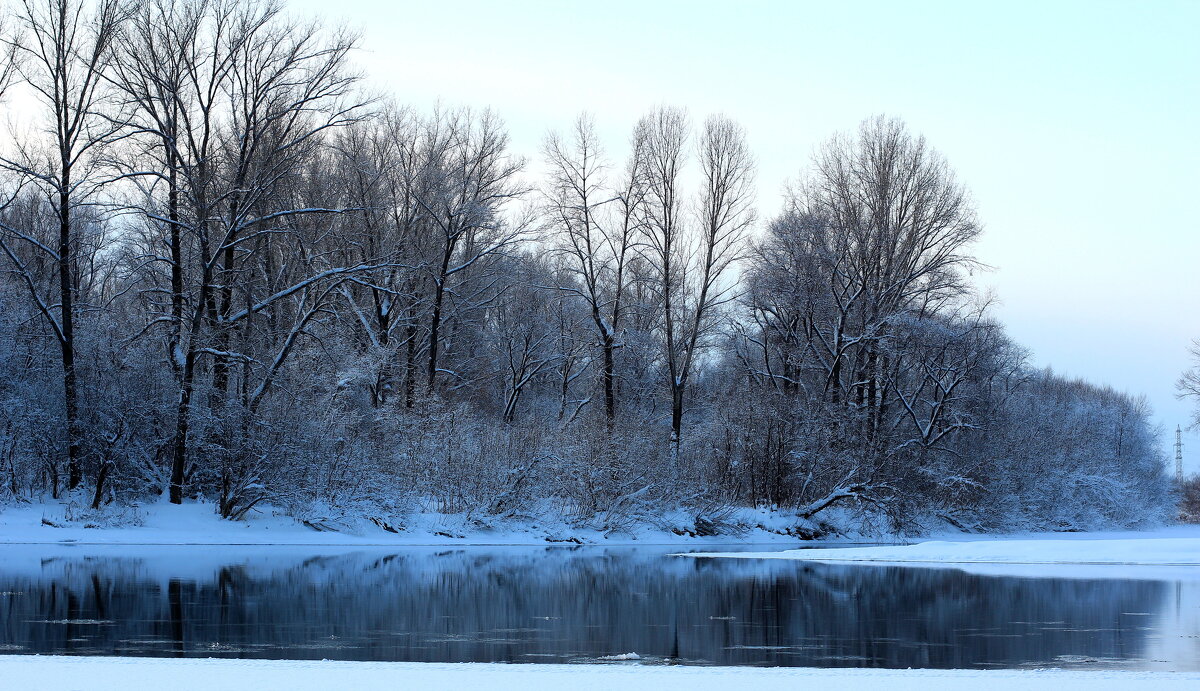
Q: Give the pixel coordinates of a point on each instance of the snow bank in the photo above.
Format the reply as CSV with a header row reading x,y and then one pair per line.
x,y
196,523
122,673
1172,552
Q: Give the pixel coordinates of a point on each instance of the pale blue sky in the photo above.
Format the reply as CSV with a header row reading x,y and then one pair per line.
x,y
1075,124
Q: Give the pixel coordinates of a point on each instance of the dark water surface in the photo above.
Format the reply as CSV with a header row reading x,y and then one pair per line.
x,y
559,604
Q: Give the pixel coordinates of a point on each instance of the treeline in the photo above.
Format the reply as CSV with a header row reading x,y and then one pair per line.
x,y
230,274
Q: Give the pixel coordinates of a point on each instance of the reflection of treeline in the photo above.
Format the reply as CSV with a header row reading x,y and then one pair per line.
x,y
237,276
501,606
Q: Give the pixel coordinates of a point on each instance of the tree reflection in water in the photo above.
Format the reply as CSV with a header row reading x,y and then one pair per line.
x,y
562,604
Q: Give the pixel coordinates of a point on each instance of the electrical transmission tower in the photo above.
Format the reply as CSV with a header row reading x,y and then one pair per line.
x,y
1178,455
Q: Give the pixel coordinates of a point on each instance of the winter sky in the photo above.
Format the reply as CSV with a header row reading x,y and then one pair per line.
x,y
1075,124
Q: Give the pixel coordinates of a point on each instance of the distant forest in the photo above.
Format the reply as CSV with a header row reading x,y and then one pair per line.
x,y
229,272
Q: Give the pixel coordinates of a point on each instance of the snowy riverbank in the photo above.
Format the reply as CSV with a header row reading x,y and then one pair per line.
x,y
195,523
51,673
1167,553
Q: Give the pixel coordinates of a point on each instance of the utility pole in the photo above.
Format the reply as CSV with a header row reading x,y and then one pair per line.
x,y
1178,455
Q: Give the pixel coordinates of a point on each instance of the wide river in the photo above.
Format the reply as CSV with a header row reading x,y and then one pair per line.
x,y
576,604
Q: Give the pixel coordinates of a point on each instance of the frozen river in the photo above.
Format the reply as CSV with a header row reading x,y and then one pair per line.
x,y
564,604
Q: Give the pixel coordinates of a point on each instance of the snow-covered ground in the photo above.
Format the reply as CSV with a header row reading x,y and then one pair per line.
x,y
198,524
51,673
1171,553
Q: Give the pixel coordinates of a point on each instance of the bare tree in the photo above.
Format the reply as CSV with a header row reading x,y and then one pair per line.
x,y
235,99
10,54
692,260
597,230
897,224
665,132
64,51
175,66
528,340
857,304
469,177
379,164
170,87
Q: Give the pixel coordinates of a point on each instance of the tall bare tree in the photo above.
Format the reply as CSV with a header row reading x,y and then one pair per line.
x,y
469,178
175,67
858,305
898,223
692,256
596,231
170,88
379,165
234,99
64,49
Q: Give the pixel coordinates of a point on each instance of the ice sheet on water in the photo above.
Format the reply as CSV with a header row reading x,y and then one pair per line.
x,y
621,657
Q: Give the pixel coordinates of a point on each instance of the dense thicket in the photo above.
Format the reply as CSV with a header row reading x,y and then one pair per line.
x,y
229,274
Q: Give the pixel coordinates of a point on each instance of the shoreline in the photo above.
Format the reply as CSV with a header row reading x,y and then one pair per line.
x,y
182,674
196,523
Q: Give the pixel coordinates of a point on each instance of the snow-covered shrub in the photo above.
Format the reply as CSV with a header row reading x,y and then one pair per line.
x,y
1189,500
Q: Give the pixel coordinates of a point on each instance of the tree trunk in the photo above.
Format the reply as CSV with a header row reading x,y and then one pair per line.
x,y
677,412
101,478
435,320
435,323
176,241
610,395
410,360
182,420
67,301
